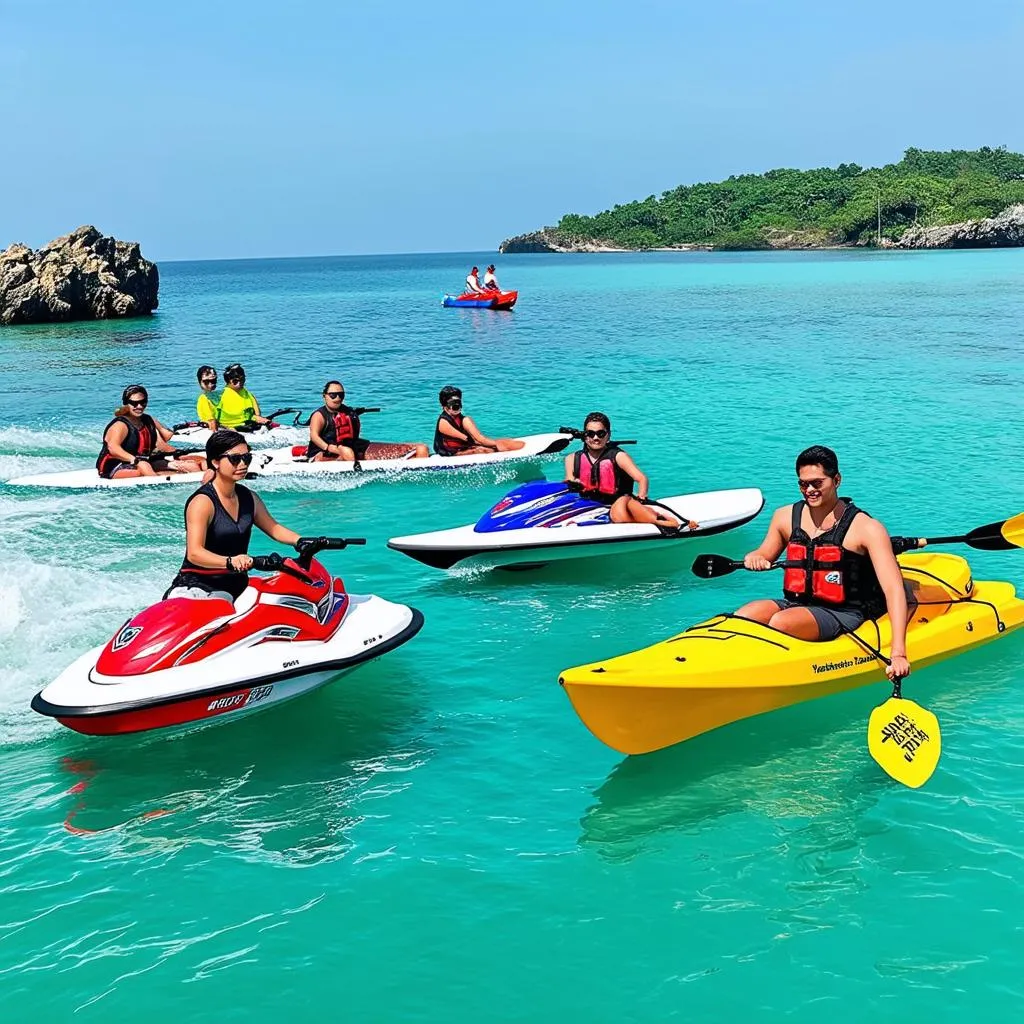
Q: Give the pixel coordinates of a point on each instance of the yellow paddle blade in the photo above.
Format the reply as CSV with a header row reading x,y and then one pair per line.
x,y
1013,530
904,739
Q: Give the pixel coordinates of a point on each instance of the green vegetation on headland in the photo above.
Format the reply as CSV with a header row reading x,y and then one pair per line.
x,y
845,205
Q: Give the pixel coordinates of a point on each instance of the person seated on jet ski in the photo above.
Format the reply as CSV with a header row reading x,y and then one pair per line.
x,y
473,281
135,444
490,281
334,433
841,569
604,473
457,434
208,401
219,518
238,408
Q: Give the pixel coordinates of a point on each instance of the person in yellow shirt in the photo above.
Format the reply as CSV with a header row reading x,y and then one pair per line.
x,y
238,407
208,402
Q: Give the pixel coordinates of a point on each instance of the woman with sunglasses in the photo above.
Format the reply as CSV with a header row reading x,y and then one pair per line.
x,y
219,518
457,434
334,433
238,406
840,567
604,473
208,401
135,444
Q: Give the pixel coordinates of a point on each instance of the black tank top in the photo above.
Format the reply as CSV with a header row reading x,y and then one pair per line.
x,y
225,537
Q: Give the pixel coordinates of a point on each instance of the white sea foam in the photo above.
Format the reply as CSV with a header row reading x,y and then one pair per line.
x,y
20,440
62,592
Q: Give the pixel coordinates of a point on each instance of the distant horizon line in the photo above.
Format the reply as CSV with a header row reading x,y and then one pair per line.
x,y
328,256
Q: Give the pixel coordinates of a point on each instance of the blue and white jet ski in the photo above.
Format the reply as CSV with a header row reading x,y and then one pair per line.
x,y
543,522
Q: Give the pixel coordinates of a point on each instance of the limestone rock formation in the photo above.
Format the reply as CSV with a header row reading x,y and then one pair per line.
x,y
1005,229
81,276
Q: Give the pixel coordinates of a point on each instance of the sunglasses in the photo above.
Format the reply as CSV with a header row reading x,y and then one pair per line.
x,y
596,434
236,459
209,380
456,404
334,394
235,380
807,485
139,403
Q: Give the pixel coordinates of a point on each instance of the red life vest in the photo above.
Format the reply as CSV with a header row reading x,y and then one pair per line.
x,y
341,427
446,445
822,571
601,477
140,441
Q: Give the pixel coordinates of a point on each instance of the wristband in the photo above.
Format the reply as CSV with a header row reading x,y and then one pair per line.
x,y
228,565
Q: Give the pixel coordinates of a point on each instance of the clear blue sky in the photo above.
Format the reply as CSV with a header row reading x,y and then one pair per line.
x,y
224,128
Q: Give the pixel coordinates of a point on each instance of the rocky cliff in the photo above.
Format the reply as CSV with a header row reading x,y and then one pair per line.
x,y
81,276
1005,229
550,240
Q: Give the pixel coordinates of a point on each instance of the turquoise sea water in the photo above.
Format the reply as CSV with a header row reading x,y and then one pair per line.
x,y
436,837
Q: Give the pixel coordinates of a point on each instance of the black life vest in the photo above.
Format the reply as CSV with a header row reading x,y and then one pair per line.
x,y
341,427
602,478
225,537
822,571
140,441
445,445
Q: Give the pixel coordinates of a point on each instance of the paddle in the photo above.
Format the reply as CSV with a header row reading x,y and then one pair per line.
x,y
903,737
999,536
1003,535
916,740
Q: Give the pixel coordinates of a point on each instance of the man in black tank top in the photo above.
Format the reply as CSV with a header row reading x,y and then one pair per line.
x,y
219,518
841,569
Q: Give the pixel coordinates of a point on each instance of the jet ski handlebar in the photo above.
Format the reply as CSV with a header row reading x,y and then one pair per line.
x,y
307,547
268,563
578,435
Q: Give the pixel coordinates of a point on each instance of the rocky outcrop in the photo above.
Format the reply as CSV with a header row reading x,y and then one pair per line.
x,y
551,240
81,276
1005,229
546,240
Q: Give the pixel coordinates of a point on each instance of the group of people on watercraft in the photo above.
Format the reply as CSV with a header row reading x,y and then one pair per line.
x,y
490,282
839,567
234,407
136,444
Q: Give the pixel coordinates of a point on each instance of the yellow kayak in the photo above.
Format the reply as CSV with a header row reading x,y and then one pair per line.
x,y
727,669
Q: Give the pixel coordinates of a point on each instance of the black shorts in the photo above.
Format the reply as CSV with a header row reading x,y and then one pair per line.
x,y
358,445
833,622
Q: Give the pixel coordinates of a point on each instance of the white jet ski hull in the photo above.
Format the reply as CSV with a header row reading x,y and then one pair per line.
x,y
234,683
714,511
280,462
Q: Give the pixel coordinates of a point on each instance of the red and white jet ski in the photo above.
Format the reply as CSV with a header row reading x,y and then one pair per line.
x,y
184,661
